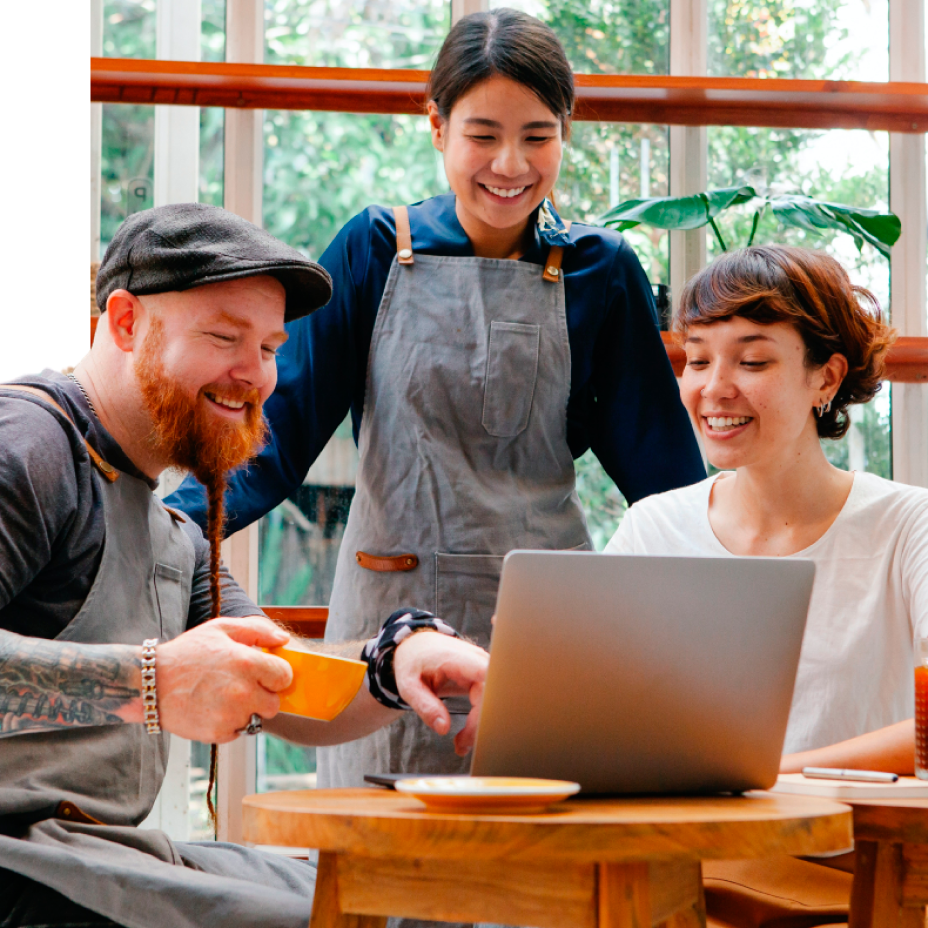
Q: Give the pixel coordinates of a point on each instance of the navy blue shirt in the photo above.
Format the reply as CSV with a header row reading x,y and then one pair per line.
x,y
624,402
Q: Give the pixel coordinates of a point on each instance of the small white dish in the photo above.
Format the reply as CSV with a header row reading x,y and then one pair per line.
x,y
487,794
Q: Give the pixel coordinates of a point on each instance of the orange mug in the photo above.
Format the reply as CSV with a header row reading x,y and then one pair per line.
x,y
323,684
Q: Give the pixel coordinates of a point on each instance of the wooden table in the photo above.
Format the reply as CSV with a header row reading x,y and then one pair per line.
x,y
591,863
891,865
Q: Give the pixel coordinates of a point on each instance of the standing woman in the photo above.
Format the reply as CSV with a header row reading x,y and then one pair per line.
x,y
481,345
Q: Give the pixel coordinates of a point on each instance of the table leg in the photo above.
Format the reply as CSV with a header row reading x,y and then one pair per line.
x,y
624,896
880,896
676,888
327,910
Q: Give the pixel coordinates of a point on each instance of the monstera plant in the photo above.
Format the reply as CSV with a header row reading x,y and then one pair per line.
x,y
865,226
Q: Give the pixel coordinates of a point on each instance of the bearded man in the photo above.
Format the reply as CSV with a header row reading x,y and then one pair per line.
x,y
109,631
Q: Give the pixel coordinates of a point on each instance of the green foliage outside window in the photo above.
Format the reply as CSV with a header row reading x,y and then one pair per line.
x,y
322,168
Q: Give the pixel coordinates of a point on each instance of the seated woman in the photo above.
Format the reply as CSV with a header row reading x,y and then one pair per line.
x,y
778,345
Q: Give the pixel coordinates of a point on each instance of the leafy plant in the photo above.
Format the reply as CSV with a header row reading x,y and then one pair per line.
x,y
865,226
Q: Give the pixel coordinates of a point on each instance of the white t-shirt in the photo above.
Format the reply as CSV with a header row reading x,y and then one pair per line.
x,y
869,600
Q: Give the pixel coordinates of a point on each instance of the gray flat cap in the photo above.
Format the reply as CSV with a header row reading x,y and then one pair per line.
x,y
186,245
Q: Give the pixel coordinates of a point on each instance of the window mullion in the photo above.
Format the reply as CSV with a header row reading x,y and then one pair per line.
x,y
688,144
461,8
243,185
909,200
177,128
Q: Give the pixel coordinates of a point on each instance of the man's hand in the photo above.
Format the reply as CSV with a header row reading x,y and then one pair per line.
x,y
211,679
429,665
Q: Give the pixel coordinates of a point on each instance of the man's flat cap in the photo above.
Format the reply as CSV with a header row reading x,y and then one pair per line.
x,y
187,245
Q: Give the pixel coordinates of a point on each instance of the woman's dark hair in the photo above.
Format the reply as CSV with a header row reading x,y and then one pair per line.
x,y
810,291
509,43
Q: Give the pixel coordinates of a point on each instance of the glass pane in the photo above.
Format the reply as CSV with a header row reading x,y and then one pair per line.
x,y
867,446
607,36
850,167
323,168
213,39
126,165
351,34
835,39
298,544
606,163
212,119
200,827
128,132
129,28
282,765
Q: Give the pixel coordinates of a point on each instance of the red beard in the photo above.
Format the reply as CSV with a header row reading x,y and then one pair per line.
x,y
186,432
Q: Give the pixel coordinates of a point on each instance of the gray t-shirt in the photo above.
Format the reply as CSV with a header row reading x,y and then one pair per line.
x,y
52,527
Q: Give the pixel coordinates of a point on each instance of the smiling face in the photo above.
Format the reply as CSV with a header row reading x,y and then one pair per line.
x,y
502,152
750,393
205,367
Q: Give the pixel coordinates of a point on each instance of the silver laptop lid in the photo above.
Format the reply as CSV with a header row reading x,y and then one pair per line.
x,y
642,674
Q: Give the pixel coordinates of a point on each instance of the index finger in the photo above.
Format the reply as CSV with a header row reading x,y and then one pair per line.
x,y
253,630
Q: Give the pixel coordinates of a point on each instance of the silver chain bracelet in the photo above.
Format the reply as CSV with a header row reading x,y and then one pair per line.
x,y
149,693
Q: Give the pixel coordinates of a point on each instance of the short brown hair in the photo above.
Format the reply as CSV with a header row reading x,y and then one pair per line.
x,y
812,292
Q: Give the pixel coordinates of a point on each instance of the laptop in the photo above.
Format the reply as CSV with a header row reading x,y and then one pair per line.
x,y
637,675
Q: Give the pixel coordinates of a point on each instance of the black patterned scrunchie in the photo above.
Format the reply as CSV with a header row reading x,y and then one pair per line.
x,y
379,651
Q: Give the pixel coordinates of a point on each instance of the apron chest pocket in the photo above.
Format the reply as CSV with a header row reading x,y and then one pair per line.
x,y
512,367
169,590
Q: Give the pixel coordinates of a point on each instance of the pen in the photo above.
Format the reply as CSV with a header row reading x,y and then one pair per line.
x,y
840,773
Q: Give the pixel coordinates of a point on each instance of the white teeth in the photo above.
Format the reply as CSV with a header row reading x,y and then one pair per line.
x,y
720,423
503,192
231,404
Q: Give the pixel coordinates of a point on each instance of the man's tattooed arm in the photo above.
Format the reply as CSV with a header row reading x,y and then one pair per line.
x,y
55,684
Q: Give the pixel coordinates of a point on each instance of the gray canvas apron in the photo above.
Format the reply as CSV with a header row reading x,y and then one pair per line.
x,y
463,457
53,785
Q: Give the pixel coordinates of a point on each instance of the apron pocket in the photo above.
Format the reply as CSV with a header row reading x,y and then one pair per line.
x,y
169,593
512,367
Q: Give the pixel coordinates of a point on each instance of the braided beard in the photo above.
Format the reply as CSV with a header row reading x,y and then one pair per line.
x,y
189,435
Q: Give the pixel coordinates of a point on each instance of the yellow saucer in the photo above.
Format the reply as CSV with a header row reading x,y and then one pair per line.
x,y
487,794
323,685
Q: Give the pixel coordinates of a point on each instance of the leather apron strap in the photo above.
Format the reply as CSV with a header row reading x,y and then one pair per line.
x,y
403,236
553,265
104,467
385,564
404,252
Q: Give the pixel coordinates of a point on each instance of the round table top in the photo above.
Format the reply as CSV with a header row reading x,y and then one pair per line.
x,y
383,823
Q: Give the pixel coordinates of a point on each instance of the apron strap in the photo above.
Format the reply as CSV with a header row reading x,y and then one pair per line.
x,y
404,254
104,467
552,272
403,236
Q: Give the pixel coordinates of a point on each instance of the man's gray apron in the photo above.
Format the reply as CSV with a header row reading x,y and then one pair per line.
x,y
464,456
53,785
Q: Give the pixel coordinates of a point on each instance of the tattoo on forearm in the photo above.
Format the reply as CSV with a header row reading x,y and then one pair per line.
x,y
51,684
